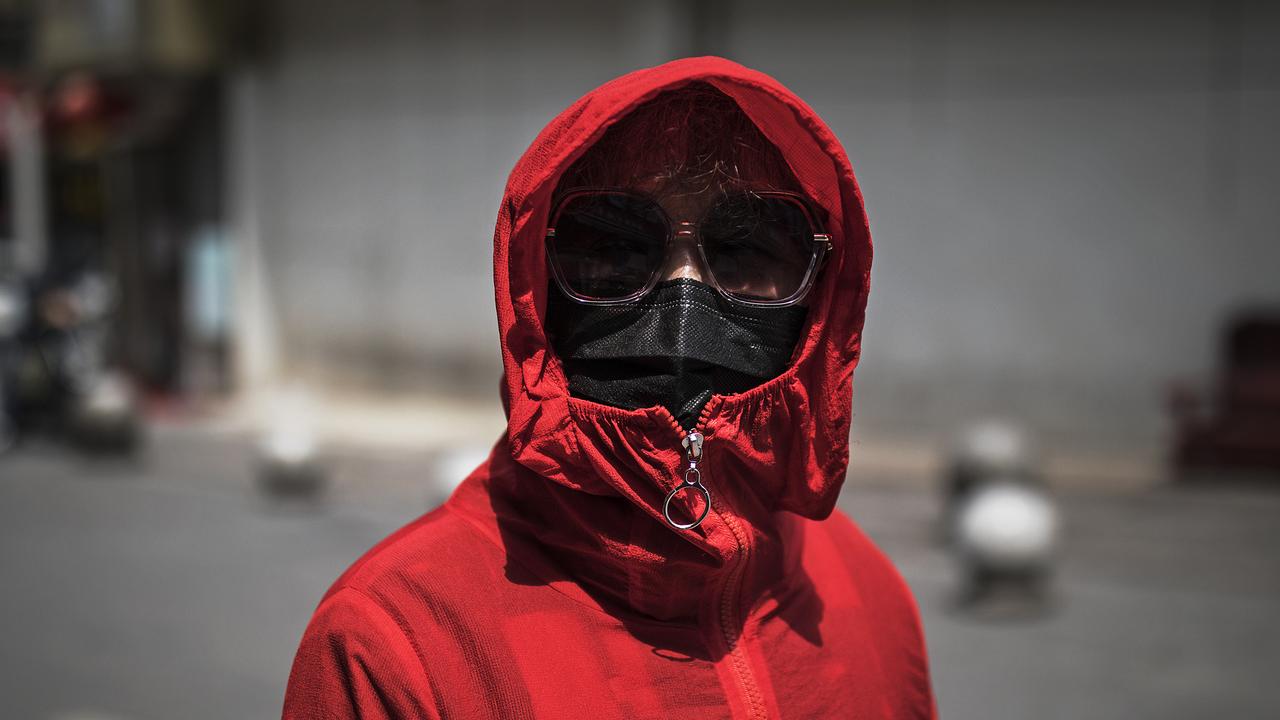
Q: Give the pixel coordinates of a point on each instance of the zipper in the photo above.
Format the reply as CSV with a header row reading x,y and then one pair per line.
x,y
729,623
691,442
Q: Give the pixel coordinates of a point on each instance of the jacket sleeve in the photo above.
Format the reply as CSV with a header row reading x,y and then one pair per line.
x,y
355,661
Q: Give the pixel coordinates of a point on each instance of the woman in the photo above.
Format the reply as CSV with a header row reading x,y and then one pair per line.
x,y
681,264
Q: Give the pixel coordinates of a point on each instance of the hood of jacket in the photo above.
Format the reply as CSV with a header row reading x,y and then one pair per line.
x,y
587,481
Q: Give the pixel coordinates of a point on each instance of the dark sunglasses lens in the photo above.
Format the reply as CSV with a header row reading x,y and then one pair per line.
x,y
608,245
759,248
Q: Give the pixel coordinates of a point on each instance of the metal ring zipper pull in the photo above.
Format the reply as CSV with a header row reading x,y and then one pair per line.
x,y
692,480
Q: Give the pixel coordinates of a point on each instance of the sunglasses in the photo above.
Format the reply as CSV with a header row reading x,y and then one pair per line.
x,y
609,246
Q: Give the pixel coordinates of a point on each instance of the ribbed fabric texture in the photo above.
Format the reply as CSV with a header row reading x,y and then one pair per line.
x,y
550,586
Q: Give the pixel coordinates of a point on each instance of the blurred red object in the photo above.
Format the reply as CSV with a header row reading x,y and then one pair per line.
x,y
1238,426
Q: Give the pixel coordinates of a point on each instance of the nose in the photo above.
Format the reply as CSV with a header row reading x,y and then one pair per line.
x,y
683,260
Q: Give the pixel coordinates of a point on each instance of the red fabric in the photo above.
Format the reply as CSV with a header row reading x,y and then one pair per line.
x,y
549,585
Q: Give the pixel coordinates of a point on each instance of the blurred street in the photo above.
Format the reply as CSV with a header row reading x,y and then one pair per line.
x,y
169,587
243,235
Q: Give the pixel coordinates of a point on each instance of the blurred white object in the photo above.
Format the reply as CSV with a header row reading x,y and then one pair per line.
x,y
290,446
289,450
106,417
1000,521
996,447
450,467
986,451
1007,527
13,309
94,295
110,396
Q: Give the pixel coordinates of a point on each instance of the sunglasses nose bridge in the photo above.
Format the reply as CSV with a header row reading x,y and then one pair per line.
x,y
683,260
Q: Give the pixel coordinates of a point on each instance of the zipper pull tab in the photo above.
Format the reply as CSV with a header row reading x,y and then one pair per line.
x,y
692,443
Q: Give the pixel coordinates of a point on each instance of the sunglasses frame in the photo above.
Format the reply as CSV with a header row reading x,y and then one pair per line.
x,y
821,246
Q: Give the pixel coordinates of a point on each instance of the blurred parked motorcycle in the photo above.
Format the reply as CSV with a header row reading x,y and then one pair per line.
x,y
1001,522
56,376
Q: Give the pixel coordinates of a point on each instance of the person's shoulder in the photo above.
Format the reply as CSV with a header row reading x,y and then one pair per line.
x,y
841,540
357,659
886,600
393,589
437,555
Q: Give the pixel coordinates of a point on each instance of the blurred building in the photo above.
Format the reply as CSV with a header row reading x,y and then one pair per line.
x,y
1068,201
114,154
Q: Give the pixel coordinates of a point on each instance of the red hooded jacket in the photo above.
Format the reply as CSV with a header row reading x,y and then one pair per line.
x,y
550,586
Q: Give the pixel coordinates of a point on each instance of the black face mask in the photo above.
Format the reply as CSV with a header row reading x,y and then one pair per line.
x,y
676,347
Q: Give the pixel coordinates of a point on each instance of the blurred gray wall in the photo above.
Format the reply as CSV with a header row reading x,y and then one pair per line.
x,y
381,135
1067,200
